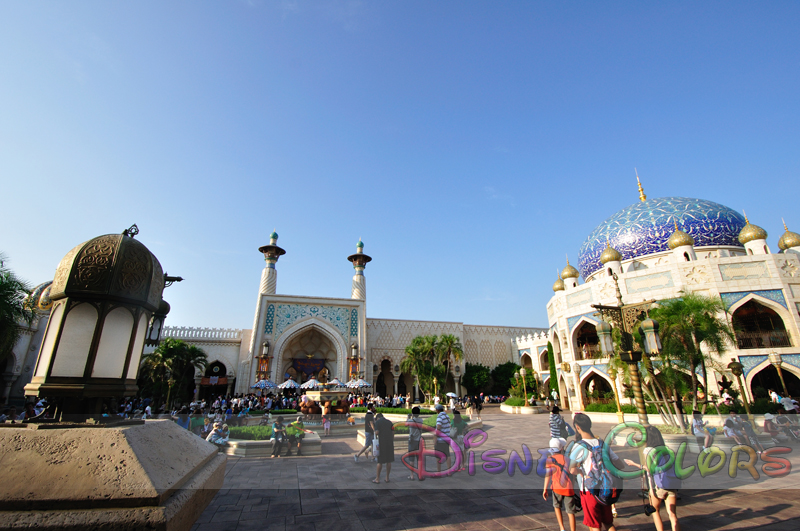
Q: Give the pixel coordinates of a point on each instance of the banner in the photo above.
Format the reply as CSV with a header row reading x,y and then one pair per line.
x,y
306,366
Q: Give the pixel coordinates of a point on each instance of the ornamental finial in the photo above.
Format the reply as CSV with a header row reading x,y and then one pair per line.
x,y
642,196
784,225
745,217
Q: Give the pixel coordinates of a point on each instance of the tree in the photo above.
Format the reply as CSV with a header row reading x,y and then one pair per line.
x,y
173,362
477,378
691,328
419,362
503,377
551,360
14,309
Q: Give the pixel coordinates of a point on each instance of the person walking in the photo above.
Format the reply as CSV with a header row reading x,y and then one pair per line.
x,y
384,431
443,437
414,423
561,481
369,432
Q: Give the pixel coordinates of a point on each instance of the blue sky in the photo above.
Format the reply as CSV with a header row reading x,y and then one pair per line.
x,y
471,145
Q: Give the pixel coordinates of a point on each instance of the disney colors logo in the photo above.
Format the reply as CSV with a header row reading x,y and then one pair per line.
x,y
742,457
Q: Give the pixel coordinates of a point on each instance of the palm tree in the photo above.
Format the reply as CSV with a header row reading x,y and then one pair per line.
x,y
416,362
173,361
449,350
689,325
14,309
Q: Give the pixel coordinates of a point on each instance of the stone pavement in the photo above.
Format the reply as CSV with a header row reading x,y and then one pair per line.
x,y
331,492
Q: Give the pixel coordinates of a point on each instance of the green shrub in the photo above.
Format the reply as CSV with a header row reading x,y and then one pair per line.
x,y
515,402
759,407
612,408
251,433
400,428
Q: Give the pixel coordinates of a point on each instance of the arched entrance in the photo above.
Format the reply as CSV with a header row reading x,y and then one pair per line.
x,y
556,348
767,378
215,381
586,342
309,353
544,361
758,326
596,390
385,384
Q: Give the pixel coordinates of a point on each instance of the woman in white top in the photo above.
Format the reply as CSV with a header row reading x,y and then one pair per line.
x,y
700,430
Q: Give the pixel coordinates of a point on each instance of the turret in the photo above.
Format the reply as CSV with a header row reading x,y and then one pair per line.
x,y
682,245
269,277
754,238
570,276
611,260
359,261
790,241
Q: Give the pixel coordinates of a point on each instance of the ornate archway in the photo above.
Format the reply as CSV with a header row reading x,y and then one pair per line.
x,y
309,347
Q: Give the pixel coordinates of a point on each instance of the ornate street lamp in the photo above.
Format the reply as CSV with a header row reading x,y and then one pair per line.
x,y
522,373
776,360
738,369
625,317
435,386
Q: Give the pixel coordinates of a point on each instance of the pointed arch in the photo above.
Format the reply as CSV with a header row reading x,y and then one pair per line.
x,y
302,326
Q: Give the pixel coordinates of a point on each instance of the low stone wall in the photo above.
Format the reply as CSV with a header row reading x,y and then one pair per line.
x,y
311,445
656,420
523,410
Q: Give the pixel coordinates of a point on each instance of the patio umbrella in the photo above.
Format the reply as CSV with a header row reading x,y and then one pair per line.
x,y
289,384
313,383
337,382
263,384
452,395
359,384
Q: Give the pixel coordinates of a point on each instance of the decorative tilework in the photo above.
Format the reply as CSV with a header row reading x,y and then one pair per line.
x,y
644,228
750,362
542,349
583,296
775,295
289,313
649,282
792,359
523,351
743,271
270,319
353,323
572,321
602,367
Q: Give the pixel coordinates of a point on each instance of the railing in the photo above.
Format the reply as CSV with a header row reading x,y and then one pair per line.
x,y
589,352
202,334
774,338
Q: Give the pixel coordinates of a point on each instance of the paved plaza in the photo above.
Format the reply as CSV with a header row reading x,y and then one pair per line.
x,y
332,492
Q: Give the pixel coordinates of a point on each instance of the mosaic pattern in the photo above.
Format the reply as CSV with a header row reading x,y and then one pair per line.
x,y
287,314
523,351
270,319
644,228
750,362
775,295
353,323
542,349
792,359
572,321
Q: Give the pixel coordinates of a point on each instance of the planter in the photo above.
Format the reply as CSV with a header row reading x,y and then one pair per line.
x,y
522,410
402,438
311,445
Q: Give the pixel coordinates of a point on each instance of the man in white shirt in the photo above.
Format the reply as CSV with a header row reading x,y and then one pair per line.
x,y
787,403
774,396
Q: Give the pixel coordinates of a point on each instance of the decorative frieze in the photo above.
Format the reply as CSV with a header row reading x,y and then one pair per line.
x,y
649,282
743,271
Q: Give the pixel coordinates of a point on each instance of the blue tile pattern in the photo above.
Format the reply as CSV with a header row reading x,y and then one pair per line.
x,y
270,319
644,228
354,323
542,349
572,321
775,295
792,359
750,362
523,351
286,314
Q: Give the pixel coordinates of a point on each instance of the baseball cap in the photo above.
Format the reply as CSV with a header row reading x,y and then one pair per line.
x,y
439,407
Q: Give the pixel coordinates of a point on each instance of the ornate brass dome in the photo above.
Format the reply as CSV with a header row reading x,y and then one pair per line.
x,y
751,232
789,239
39,299
113,266
610,255
569,271
679,239
558,285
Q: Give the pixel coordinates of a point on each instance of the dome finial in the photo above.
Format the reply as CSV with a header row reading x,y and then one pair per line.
x,y
642,196
784,224
745,217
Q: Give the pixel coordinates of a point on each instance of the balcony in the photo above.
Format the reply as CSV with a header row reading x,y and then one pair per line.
x,y
589,352
774,338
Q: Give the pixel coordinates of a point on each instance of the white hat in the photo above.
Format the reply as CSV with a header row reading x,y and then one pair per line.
x,y
768,416
557,444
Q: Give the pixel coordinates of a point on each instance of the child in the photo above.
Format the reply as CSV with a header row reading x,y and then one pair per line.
x,y
730,431
326,424
458,431
563,492
700,430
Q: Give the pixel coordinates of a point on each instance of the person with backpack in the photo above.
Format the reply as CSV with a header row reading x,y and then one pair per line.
x,y
600,489
662,485
561,481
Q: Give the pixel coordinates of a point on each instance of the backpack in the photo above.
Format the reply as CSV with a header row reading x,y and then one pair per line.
x,y
599,482
666,479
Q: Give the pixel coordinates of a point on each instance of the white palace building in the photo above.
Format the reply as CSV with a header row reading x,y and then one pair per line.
x,y
657,248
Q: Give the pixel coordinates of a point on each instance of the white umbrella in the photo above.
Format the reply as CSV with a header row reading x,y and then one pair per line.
x,y
337,382
358,384
313,383
452,395
289,384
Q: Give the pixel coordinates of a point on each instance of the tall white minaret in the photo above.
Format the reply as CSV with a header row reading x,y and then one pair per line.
x,y
360,261
269,277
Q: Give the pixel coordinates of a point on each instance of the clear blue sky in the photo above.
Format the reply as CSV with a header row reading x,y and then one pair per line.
x,y
470,144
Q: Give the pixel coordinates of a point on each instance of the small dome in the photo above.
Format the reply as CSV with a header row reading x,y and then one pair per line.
x,y
569,272
751,232
273,236
39,299
360,244
558,285
110,267
679,239
789,239
610,255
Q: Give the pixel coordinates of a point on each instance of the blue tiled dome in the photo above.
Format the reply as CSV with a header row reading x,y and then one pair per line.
x,y
644,228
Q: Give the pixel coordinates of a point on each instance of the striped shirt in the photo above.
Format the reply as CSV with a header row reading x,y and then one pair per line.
x,y
443,425
555,425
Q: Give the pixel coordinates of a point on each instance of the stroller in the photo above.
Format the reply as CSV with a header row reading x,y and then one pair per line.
x,y
789,428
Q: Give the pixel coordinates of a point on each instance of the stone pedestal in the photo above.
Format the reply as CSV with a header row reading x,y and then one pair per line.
x,y
155,475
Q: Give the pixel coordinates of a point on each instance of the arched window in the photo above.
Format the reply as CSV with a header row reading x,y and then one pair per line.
x,y
757,326
749,251
766,251
587,341
610,273
686,257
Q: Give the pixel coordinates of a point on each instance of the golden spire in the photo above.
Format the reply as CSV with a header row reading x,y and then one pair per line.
x,y
642,196
745,217
784,225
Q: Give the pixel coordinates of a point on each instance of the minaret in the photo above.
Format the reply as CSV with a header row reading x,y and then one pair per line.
x,y
360,261
269,277
570,276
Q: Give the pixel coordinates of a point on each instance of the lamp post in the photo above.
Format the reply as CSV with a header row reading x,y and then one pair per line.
x,y
776,360
458,380
522,373
435,386
737,369
625,317
612,373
